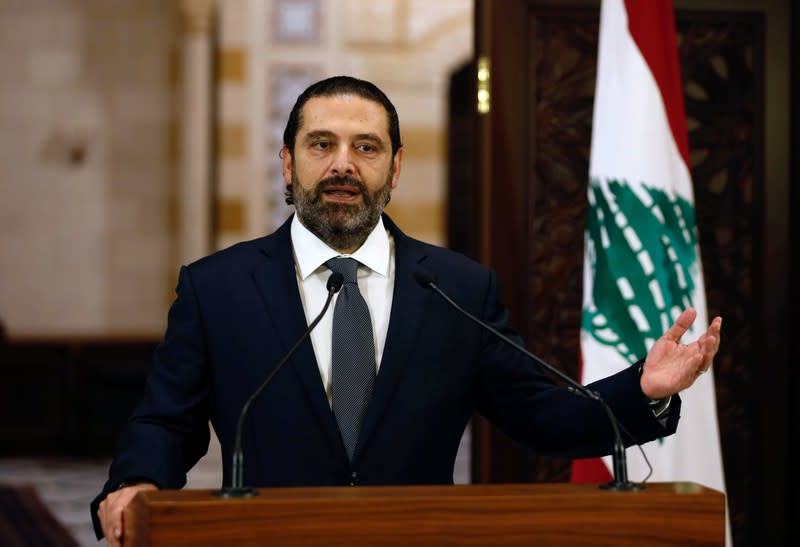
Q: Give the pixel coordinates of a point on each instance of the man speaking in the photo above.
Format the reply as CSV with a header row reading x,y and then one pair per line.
x,y
384,387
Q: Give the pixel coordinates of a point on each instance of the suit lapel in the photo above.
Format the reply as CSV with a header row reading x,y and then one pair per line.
x,y
409,303
277,284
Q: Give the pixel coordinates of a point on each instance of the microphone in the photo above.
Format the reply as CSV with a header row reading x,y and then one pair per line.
x,y
620,482
237,489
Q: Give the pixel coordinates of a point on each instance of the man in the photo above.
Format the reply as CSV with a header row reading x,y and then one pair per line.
x,y
319,422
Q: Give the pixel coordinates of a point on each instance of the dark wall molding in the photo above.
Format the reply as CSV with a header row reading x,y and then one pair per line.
x,y
69,397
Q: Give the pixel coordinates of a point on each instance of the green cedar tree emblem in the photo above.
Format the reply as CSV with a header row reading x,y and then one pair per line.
x,y
641,248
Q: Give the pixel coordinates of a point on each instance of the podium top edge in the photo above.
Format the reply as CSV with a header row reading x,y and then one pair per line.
x,y
432,491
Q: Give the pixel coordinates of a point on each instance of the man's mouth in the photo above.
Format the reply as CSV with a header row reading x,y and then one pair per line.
x,y
342,193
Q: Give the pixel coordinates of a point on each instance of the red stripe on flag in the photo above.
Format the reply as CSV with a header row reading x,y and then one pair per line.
x,y
592,470
652,26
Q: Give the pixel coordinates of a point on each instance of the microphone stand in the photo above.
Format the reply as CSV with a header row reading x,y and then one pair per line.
x,y
620,465
237,488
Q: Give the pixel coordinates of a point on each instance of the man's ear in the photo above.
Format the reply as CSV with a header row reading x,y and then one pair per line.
x,y
286,161
397,162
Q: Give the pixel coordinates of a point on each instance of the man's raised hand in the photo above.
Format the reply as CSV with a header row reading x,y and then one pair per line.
x,y
671,366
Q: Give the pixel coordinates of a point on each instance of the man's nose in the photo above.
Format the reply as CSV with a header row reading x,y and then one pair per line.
x,y
343,162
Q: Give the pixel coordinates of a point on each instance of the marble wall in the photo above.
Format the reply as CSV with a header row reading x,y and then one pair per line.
x,y
271,51
92,178
85,166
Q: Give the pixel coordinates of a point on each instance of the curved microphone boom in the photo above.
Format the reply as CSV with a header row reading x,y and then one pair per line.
x,y
237,488
620,465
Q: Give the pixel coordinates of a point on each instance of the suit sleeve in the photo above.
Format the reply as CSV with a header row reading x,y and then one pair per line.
x,y
168,431
523,402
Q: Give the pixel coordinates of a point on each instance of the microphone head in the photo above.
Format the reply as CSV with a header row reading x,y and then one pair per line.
x,y
335,282
424,278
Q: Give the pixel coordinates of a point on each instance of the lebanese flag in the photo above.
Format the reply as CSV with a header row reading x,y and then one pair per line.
x,y
642,260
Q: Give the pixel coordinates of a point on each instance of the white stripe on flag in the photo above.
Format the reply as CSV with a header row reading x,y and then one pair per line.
x,y
633,144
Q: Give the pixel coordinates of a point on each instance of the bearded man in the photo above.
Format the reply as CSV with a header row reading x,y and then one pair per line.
x,y
383,390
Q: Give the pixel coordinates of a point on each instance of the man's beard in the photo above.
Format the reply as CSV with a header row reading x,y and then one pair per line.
x,y
343,226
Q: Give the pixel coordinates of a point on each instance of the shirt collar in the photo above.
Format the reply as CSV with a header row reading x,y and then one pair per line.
x,y
310,252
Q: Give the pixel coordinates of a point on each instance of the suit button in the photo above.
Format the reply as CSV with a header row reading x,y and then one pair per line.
x,y
354,479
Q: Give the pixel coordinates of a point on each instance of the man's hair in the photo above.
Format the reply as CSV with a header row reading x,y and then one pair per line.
x,y
340,85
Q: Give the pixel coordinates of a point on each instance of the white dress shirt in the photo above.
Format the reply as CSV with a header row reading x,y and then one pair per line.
x,y
375,281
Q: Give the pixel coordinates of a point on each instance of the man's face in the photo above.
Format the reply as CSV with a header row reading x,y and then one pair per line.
x,y
342,170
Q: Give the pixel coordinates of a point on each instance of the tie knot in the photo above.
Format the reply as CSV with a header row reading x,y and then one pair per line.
x,y
345,266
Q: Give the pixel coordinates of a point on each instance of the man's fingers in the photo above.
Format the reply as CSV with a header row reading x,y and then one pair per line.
x,y
712,344
119,529
671,366
716,330
681,325
110,514
102,514
111,510
114,531
709,343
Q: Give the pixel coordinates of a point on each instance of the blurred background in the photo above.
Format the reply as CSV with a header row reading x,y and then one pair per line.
x,y
139,135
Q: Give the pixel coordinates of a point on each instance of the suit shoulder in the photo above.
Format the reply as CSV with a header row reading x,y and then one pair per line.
x,y
449,262
232,264
434,255
236,253
450,256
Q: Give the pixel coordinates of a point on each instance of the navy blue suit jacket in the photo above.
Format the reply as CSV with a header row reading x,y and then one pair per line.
x,y
238,311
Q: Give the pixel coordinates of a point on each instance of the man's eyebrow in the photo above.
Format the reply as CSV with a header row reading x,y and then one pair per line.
x,y
319,133
326,134
374,137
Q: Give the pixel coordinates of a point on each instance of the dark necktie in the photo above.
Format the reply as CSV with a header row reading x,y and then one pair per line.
x,y
353,355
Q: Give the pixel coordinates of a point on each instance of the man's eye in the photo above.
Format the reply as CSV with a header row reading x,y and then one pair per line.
x,y
321,145
365,148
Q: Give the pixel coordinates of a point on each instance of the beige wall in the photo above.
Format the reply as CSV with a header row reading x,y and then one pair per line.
x,y
272,50
89,133
85,118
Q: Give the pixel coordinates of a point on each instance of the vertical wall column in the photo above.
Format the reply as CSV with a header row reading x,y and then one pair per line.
x,y
194,185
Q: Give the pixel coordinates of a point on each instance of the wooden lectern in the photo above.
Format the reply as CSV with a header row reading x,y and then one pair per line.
x,y
491,514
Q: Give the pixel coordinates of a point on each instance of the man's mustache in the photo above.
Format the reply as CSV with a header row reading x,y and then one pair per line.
x,y
325,184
